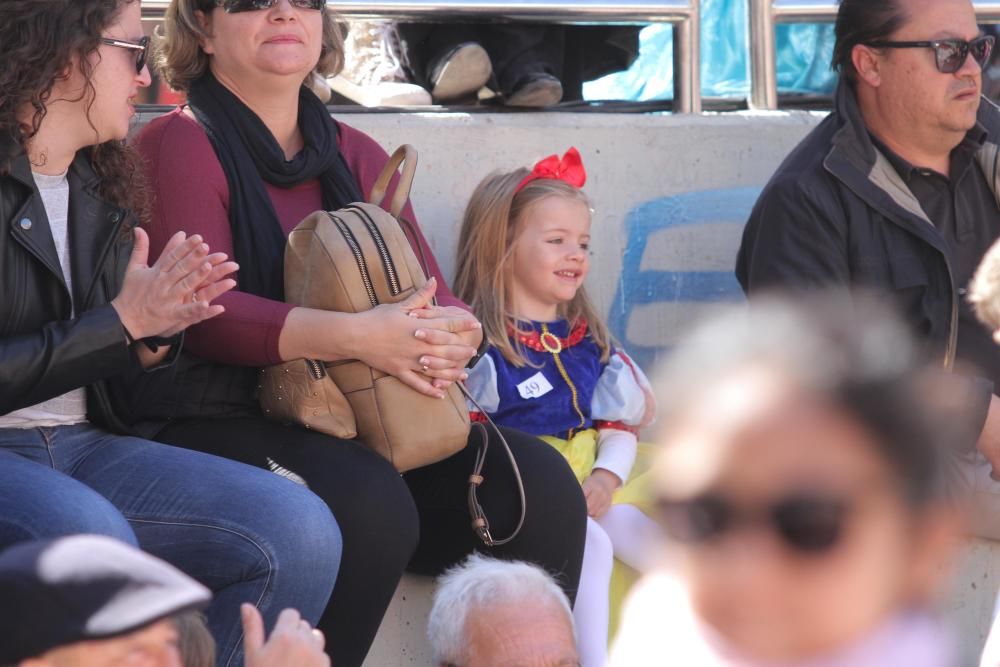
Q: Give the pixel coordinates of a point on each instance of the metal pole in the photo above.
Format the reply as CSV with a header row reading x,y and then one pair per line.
x,y
763,75
684,15
687,63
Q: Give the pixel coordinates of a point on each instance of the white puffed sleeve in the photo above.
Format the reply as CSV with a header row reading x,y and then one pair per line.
x,y
616,452
482,385
623,394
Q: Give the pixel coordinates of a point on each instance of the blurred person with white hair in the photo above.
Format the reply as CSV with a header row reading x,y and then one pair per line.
x,y
801,482
490,612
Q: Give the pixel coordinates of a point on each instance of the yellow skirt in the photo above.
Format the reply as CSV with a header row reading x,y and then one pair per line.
x,y
581,451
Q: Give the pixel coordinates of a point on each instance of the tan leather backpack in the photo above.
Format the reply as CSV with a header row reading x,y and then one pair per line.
x,y
352,260
349,261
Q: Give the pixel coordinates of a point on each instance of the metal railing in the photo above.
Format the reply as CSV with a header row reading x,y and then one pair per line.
x,y
766,14
682,14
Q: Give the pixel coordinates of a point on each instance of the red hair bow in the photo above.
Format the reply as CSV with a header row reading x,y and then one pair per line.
x,y
569,169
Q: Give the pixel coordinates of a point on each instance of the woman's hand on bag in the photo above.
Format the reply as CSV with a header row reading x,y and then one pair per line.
x,y
454,330
176,291
424,354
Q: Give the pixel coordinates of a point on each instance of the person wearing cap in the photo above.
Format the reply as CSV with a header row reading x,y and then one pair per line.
x,y
92,601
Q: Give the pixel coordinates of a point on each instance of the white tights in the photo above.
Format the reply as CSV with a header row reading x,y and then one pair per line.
x,y
623,532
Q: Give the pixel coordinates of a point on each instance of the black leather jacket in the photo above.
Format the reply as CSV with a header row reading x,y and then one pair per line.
x,y
46,350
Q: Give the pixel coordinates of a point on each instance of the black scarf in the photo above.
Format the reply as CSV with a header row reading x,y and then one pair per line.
x,y
250,155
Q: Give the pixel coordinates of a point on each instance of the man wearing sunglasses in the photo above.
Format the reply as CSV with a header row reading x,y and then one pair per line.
x,y
897,190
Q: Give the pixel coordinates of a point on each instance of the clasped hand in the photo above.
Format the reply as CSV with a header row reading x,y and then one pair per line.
x,y
426,346
176,291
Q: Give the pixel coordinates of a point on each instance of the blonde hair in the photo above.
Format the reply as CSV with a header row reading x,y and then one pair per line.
x,y
984,290
180,59
492,222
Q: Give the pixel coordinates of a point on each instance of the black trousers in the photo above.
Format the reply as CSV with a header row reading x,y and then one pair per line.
x,y
418,521
573,54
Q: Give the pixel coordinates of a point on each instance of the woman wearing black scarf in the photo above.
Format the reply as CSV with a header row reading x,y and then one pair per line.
x,y
253,153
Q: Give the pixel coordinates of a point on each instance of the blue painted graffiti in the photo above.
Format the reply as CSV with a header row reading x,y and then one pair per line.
x,y
638,287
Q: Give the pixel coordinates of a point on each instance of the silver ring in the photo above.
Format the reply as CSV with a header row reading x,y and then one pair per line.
x,y
194,297
425,368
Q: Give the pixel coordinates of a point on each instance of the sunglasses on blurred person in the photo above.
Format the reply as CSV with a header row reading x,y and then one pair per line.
x,y
949,54
141,49
808,524
237,6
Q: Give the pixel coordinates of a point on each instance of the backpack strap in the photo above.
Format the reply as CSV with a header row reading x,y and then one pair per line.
x,y
405,155
480,524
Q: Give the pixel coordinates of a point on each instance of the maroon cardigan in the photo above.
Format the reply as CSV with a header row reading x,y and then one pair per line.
x,y
190,194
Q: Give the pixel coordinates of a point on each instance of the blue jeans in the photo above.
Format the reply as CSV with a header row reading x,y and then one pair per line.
x,y
248,534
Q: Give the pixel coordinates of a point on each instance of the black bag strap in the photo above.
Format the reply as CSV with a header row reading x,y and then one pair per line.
x,y
480,524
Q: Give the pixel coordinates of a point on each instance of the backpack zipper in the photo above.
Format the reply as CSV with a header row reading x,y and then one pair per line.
x,y
383,250
359,257
315,368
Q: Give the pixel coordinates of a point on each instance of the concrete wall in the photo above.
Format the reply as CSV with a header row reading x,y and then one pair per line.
x,y
670,193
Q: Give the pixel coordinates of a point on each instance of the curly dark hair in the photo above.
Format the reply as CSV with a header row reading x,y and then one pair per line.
x,y
38,42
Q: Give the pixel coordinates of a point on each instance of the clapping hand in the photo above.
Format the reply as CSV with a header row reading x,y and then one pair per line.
x,y
176,291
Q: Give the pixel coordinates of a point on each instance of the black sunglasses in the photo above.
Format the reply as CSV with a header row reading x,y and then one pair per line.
x,y
236,6
810,524
141,49
949,54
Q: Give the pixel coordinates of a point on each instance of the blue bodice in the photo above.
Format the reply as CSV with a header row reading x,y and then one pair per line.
x,y
536,398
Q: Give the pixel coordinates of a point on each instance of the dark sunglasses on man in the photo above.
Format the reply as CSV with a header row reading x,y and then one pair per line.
x,y
949,54
806,523
141,49
236,6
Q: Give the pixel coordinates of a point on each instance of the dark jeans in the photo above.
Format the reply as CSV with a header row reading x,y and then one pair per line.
x,y
248,535
418,521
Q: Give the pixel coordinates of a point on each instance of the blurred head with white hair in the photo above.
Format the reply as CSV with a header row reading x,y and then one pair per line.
x,y
488,612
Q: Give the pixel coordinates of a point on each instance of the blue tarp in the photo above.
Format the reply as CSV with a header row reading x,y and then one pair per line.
x,y
803,59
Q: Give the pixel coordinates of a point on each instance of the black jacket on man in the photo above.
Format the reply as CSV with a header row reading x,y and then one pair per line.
x,y
836,213
46,350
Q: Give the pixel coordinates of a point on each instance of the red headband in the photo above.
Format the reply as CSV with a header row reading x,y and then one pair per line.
x,y
569,170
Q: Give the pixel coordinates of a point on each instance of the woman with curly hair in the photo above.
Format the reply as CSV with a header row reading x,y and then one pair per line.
x,y
83,314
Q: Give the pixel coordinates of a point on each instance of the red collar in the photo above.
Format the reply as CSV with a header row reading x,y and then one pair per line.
x,y
549,342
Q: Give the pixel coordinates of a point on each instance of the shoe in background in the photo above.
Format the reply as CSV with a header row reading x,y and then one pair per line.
x,y
374,72
536,90
459,73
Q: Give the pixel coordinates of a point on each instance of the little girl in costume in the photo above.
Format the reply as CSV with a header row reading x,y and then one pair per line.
x,y
550,368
